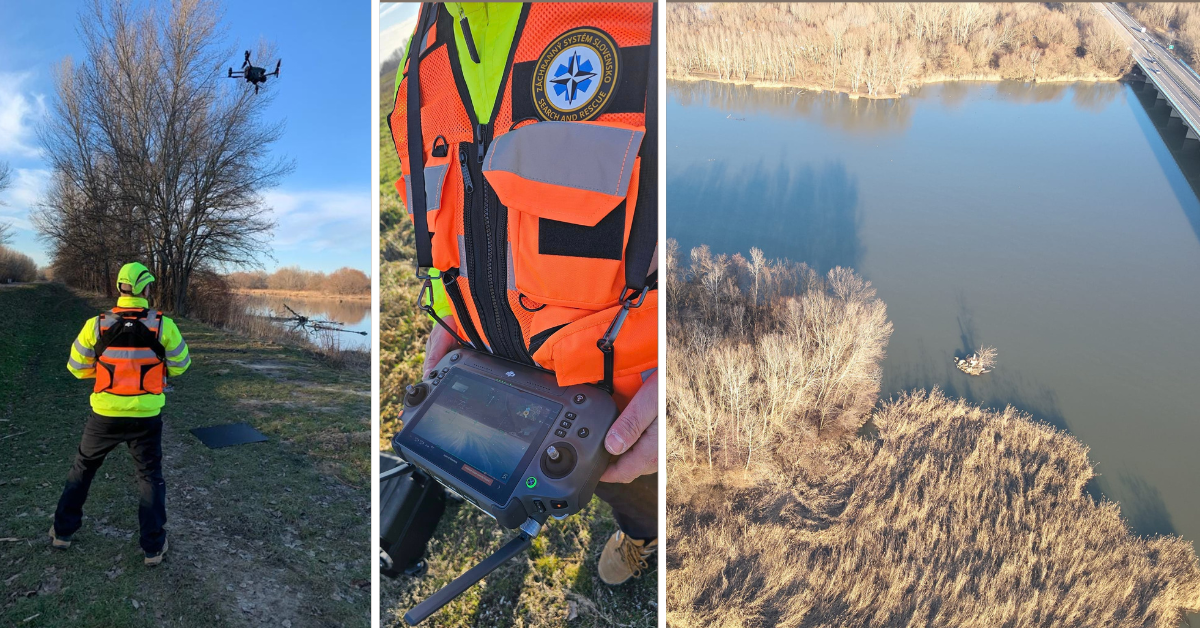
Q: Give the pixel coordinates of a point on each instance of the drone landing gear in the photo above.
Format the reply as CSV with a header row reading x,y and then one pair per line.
x,y
435,602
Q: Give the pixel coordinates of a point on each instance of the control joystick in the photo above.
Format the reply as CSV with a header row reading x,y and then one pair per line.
x,y
559,460
414,394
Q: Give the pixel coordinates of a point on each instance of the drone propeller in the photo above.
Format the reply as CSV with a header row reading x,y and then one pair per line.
x,y
277,64
247,61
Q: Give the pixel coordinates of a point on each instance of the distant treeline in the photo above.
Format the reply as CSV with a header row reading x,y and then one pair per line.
x,y
16,266
1179,22
884,48
345,281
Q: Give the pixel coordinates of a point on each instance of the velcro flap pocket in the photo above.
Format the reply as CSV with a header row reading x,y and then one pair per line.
x,y
572,354
574,172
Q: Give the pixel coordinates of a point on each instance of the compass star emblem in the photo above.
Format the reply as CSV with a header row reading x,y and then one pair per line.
x,y
573,77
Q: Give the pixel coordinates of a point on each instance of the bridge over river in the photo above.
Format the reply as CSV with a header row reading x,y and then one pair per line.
x,y
1174,81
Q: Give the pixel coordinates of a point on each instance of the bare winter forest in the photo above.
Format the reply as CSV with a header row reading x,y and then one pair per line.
x,y
883,49
783,510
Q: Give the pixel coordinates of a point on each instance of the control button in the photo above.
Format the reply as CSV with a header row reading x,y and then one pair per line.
x,y
433,374
455,356
557,504
539,505
552,453
445,369
530,482
436,382
571,416
583,432
579,399
561,433
565,424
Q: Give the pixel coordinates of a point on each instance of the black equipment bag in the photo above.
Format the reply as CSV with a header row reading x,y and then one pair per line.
x,y
411,504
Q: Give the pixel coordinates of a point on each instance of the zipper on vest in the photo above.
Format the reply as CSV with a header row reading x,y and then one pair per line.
x,y
500,324
466,173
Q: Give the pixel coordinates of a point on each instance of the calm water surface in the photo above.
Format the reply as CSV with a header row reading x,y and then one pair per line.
x,y
1058,223
353,314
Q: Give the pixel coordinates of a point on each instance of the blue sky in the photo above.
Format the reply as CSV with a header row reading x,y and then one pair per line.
x,y
323,209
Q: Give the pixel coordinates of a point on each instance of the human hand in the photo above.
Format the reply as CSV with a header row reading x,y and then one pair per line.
x,y
634,436
440,343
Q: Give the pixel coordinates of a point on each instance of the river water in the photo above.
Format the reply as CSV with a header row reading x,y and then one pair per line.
x,y
1058,223
353,314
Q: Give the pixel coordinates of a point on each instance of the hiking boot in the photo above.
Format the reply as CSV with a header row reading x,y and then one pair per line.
x,y
57,541
624,558
154,558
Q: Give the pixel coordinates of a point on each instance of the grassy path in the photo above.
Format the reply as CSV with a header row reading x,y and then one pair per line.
x,y
273,533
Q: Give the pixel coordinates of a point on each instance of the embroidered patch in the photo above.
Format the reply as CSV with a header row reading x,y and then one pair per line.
x,y
576,75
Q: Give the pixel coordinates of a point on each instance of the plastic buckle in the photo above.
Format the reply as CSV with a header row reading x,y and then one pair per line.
x,y
605,344
627,295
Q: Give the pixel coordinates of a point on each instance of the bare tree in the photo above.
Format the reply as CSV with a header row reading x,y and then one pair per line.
x,y
5,182
1034,56
151,146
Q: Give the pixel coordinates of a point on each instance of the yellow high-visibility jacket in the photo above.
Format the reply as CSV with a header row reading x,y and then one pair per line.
x,y
82,365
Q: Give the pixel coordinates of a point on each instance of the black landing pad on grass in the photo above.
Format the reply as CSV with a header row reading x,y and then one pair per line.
x,y
219,436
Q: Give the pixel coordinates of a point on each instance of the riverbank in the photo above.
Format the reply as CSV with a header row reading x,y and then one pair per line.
x,y
269,533
922,510
854,95
302,294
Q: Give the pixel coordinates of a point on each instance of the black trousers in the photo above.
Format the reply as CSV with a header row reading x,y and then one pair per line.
x,y
101,435
634,505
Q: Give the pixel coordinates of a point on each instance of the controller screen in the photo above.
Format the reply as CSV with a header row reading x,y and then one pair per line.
x,y
486,426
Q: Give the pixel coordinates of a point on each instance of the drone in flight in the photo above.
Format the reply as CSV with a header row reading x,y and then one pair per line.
x,y
254,75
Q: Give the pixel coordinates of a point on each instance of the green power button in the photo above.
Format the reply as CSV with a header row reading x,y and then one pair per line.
x,y
531,481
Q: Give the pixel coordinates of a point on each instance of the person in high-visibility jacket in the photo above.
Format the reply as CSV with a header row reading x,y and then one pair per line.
x,y
527,142
128,352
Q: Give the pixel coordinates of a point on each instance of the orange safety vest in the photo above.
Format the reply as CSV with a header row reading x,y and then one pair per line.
x,y
543,222
130,359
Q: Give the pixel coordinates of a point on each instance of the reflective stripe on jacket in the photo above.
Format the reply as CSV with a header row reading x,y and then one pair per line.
x,y
531,167
82,363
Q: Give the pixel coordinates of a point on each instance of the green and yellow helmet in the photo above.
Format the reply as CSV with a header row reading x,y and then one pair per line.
x,y
133,278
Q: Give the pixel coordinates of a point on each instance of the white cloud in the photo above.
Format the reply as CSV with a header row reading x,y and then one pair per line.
x,y
395,37
27,188
19,112
321,221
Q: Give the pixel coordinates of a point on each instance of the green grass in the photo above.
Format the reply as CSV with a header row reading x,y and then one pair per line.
x,y
559,574
259,533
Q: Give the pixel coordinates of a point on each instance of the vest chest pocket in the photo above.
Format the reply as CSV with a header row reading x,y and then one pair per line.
x,y
570,188
441,192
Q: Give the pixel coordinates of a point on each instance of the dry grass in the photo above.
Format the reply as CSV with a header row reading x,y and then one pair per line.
x,y
955,516
946,515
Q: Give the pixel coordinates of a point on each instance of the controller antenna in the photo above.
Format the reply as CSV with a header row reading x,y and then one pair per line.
x,y
518,544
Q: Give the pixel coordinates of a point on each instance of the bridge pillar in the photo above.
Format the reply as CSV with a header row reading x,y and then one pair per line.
x,y
1191,135
1161,96
1175,113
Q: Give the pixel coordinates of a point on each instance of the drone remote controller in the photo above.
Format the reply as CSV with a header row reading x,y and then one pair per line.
x,y
507,438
